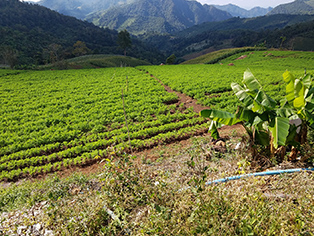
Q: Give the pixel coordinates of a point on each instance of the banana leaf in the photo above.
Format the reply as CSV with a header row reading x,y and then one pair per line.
x,y
250,81
280,131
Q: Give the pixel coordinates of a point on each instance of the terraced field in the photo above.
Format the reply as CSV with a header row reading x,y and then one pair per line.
x,y
51,120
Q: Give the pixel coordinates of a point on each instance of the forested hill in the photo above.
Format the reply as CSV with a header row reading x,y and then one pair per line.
x,y
161,16
289,31
299,7
80,8
35,31
270,22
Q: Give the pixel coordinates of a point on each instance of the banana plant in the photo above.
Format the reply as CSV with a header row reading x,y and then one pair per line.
x,y
300,101
265,123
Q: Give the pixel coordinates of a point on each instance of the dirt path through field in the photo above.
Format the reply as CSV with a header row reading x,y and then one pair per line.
x,y
183,98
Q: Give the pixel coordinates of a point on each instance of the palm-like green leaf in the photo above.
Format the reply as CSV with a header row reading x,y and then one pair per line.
x,y
288,77
280,131
221,117
262,137
250,81
290,91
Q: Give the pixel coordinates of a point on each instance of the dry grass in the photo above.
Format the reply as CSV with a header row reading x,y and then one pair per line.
x,y
162,192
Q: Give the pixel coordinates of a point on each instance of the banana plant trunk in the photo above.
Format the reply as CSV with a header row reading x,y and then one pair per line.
x,y
303,133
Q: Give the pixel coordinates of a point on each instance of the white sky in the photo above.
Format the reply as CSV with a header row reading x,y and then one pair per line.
x,y
247,4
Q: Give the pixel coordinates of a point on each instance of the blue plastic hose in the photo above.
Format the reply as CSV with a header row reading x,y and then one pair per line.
x,y
274,172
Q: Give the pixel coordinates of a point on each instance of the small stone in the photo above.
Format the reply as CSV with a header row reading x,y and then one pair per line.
x,y
43,203
48,233
37,227
29,231
20,230
239,146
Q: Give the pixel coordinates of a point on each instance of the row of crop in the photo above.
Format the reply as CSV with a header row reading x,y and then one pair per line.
x,y
99,144
96,154
84,118
211,84
56,146
38,122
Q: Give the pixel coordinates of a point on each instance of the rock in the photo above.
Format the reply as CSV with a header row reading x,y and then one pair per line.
x,y
238,146
29,231
37,228
21,229
43,203
48,233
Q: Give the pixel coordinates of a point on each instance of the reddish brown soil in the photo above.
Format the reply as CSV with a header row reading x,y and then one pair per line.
x,y
184,99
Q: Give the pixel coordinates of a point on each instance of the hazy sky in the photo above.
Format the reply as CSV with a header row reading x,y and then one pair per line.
x,y
247,4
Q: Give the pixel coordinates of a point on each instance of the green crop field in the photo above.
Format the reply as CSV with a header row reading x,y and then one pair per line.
x,y
51,120
210,84
55,119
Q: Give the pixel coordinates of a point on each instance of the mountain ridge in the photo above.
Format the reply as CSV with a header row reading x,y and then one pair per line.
x,y
32,29
299,7
237,11
162,16
80,8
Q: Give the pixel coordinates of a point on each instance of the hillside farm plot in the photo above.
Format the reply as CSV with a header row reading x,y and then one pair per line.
x,y
51,120
210,84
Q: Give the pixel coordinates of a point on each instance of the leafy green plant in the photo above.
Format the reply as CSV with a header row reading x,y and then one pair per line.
x,y
265,123
299,101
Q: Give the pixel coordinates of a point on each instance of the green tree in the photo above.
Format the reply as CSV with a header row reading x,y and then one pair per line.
x,y
55,52
80,49
124,40
9,56
171,59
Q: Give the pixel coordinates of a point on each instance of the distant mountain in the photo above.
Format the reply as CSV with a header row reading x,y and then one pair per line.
x,y
161,16
298,7
35,31
243,13
239,32
80,8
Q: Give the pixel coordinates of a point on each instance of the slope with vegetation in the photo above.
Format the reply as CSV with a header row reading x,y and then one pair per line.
x,y
163,190
39,35
243,13
298,7
69,118
101,61
81,8
287,31
161,16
